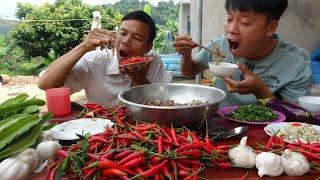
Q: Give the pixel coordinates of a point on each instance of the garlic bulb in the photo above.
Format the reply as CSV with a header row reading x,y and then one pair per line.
x,y
295,164
269,164
48,149
13,169
243,155
30,157
47,136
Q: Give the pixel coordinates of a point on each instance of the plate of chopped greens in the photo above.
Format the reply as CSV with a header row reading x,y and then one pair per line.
x,y
292,131
251,114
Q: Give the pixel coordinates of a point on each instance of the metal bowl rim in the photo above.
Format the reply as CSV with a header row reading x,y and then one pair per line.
x,y
171,107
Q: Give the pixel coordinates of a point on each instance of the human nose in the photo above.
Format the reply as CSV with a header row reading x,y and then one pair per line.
x,y
126,39
232,27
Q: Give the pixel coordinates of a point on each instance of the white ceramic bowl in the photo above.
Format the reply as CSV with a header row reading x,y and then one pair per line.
x,y
310,103
223,69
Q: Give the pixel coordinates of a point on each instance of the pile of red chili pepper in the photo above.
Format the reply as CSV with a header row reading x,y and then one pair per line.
x,y
137,59
141,151
117,114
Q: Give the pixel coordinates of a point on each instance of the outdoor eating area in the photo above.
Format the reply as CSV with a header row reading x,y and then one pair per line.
x,y
250,111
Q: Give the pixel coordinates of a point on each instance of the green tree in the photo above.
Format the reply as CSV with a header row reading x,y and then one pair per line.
x,y
70,20
23,9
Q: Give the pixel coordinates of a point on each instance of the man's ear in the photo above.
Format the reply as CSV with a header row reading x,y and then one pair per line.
x,y
272,27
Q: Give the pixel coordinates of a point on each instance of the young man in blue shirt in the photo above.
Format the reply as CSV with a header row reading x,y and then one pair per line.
x,y
269,67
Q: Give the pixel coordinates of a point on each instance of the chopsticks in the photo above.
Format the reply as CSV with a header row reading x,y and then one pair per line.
x,y
216,53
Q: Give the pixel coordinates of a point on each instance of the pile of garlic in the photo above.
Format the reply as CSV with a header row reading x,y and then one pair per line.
x,y
19,167
267,163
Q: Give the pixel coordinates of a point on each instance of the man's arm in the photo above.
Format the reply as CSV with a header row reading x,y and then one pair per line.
x,y
57,71
184,45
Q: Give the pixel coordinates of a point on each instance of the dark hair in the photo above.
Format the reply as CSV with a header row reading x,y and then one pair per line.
x,y
272,8
143,17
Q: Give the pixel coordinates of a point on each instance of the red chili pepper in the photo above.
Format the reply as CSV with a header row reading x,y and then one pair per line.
x,y
310,156
51,175
106,163
270,141
245,176
159,144
91,172
296,124
174,137
108,154
134,162
223,147
190,161
183,173
94,139
192,153
182,166
194,137
112,172
154,159
166,172
93,156
223,165
62,153
123,154
127,136
92,106
154,170
189,146
166,135
130,157
136,134
311,148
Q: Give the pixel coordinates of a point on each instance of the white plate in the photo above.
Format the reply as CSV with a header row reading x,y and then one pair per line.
x,y
275,127
69,129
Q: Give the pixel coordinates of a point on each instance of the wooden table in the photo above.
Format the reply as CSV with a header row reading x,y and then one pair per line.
x,y
255,133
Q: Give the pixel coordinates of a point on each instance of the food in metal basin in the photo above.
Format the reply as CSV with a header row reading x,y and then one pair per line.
x,y
170,102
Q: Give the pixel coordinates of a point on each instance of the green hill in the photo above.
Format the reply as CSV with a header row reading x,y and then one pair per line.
x,y
6,25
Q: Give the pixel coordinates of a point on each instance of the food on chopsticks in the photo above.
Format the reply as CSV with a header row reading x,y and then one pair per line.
x,y
300,131
135,60
253,113
170,102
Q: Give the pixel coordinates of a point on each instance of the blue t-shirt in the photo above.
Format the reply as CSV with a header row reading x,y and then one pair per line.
x,y
286,71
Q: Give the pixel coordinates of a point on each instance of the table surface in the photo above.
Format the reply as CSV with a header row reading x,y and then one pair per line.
x,y
255,133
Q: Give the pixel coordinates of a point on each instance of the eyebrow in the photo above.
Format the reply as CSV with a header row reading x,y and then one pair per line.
x,y
135,34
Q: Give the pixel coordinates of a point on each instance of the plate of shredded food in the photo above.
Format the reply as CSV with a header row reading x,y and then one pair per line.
x,y
295,131
135,61
251,114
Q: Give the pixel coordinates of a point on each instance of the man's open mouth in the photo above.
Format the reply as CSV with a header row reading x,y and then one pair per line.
x,y
123,54
233,45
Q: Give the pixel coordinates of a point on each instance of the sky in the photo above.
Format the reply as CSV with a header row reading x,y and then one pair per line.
x,y
7,8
